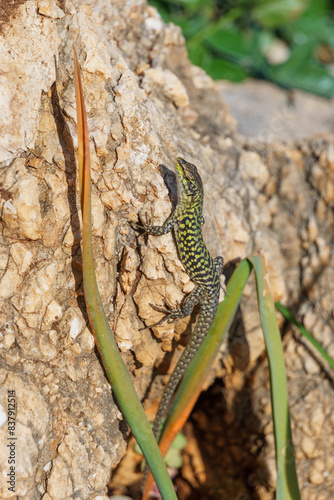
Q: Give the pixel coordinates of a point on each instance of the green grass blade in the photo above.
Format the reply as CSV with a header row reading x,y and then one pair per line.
x,y
290,317
194,377
116,370
287,483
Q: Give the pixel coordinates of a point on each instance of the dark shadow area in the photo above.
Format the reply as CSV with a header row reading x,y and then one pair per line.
x,y
169,178
230,439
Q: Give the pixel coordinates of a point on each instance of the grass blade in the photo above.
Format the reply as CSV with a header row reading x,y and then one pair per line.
x,y
290,317
115,368
287,483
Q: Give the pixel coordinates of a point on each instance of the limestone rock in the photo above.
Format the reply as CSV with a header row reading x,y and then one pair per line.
x,y
146,105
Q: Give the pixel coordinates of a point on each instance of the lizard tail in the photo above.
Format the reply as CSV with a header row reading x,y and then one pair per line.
x,y
205,320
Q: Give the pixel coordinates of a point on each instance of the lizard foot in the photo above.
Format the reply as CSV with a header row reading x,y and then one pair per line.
x,y
172,315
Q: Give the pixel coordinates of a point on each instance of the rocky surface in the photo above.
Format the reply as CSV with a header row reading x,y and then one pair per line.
x,y
267,113
146,105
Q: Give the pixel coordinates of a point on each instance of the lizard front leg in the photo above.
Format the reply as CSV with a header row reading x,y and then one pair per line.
x,y
157,230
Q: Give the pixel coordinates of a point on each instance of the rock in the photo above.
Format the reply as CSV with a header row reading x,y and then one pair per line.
x,y
268,113
53,312
315,475
308,447
21,213
21,256
146,105
29,70
171,86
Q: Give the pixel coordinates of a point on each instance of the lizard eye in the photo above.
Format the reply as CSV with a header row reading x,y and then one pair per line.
x,y
189,175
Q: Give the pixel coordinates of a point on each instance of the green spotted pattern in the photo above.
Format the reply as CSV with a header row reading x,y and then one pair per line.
x,y
186,222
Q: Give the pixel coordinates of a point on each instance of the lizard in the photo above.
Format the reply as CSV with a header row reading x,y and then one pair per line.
x,y
186,222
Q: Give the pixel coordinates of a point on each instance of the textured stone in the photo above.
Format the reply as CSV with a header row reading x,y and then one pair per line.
x,y
28,70
172,87
146,104
21,256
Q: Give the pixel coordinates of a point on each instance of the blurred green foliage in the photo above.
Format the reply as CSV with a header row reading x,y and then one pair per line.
x,y
288,42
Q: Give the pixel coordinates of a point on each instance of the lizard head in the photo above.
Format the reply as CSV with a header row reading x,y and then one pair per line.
x,y
189,182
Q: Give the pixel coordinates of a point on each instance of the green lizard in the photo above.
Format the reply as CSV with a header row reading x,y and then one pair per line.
x,y
187,221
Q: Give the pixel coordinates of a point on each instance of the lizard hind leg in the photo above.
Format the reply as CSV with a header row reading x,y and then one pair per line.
x,y
172,315
179,312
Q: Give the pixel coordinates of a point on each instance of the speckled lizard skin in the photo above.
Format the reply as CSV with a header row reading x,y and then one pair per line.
x,y
186,222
